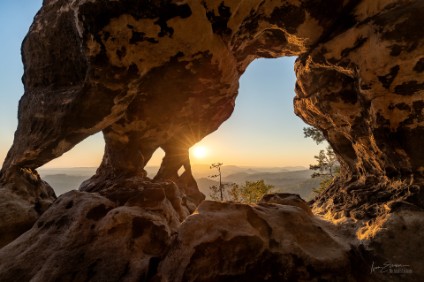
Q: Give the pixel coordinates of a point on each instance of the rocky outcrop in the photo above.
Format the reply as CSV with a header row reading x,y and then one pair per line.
x,y
364,87
267,242
164,74
393,240
136,235
143,233
117,236
20,207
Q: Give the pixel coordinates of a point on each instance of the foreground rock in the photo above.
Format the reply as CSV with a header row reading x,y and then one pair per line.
x,y
391,241
136,235
88,237
265,242
141,233
20,207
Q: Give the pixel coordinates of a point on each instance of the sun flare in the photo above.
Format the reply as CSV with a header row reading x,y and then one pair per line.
x,y
199,152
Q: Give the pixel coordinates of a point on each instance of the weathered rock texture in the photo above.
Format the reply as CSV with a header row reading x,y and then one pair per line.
x,y
363,85
117,236
267,242
395,243
164,74
20,207
135,235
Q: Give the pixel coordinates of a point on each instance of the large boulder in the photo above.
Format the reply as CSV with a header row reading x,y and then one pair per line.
x,y
265,242
117,236
20,207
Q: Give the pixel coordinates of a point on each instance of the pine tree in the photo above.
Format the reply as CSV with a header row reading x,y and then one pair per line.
x,y
327,166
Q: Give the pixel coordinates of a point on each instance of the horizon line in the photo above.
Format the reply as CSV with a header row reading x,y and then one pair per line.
x,y
242,166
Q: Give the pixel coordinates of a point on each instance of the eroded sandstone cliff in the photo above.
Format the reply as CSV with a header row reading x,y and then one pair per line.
x,y
164,74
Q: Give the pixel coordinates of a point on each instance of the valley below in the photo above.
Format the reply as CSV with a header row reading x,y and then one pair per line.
x,y
296,179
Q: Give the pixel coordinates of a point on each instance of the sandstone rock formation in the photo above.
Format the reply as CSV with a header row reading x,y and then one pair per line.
x,y
138,234
20,207
268,242
117,236
164,74
135,235
363,86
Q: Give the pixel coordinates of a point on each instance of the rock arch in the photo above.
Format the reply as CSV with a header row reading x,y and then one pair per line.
x,y
153,74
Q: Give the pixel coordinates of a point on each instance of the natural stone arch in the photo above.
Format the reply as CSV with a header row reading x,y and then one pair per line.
x,y
165,74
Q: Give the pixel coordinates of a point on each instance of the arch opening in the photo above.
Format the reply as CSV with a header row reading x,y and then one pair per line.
x,y
263,138
67,172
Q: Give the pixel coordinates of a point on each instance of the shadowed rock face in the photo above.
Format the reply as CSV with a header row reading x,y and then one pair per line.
x,y
89,237
250,244
164,74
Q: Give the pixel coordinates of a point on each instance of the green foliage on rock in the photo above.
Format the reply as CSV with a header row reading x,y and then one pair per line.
x,y
327,166
314,133
248,193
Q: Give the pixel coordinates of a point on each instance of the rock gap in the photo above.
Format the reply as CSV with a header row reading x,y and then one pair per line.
x,y
265,115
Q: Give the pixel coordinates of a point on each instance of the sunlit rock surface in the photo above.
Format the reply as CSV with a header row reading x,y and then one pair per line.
x,y
394,240
364,87
267,242
164,74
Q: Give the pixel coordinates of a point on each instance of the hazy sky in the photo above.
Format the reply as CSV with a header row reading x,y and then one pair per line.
x,y
263,130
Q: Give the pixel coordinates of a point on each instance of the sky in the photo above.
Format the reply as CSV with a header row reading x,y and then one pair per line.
x,y
262,132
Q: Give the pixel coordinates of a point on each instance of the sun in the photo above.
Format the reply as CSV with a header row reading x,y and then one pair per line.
x,y
199,152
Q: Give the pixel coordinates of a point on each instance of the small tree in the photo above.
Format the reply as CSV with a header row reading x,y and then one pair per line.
x,y
327,166
327,163
314,133
215,193
252,192
234,193
217,190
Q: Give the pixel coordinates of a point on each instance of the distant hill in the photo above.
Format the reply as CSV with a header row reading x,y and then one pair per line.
x,y
200,171
304,188
80,171
63,183
297,182
274,178
204,184
284,179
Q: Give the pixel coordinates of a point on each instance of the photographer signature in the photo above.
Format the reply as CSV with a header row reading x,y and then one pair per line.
x,y
391,268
